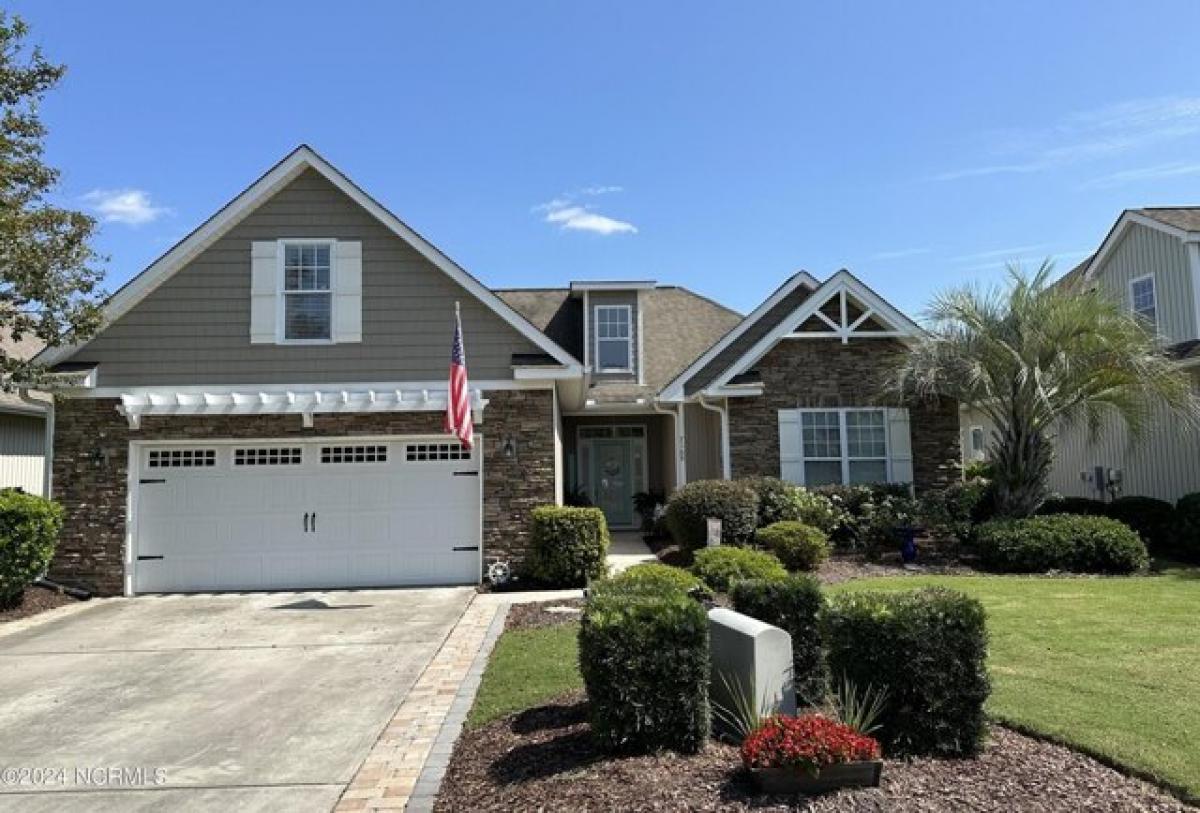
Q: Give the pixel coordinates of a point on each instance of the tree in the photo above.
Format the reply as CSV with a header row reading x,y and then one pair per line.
x,y
49,274
1035,358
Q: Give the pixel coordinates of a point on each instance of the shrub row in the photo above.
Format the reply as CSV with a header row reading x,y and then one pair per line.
x,y
1071,542
794,605
29,528
1168,530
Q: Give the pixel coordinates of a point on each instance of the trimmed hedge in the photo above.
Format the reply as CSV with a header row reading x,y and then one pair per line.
x,y
776,500
1082,506
1187,539
798,546
1154,520
816,510
29,528
654,577
794,605
690,507
645,664
569,545
1079,544
926,649
721,566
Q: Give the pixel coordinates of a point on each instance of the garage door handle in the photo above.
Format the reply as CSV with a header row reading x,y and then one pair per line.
x,y
305,522
466,474
314,522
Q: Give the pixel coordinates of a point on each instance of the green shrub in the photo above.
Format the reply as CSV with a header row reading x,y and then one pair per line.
x,y
1187,538
776,500
951,512
721,566
645,664
798,546
1069,542
816,510
926,649
1082,506
1154,520
654,577
794,605
868,515
690,507
568,545
29,529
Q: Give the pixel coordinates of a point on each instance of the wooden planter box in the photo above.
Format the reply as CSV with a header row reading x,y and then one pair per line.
x,y
781,781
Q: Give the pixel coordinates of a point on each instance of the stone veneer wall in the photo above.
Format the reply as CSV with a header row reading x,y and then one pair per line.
x,y
804,373
91,457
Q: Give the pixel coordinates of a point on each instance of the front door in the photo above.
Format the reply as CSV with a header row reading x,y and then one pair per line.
x,y
612,480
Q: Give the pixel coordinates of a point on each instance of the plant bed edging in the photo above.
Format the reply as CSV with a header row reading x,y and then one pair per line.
x,y
791,781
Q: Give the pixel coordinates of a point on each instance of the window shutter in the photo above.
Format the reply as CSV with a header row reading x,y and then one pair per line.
x,y
347,292
899,446
264,294
791,456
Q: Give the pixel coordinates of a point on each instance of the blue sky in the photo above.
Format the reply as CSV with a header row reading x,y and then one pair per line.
x,y
721,145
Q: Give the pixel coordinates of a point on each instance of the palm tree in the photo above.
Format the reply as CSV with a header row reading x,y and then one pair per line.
x,y
1035,358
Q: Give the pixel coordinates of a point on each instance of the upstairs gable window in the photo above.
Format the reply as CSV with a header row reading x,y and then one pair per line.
x,y
614,338
1143,300
307,291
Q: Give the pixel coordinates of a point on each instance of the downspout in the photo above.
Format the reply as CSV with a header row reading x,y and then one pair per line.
x,y
680,450
47,440
723,411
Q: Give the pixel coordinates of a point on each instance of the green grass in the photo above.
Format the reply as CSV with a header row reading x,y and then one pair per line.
x,y
1109,665
527,668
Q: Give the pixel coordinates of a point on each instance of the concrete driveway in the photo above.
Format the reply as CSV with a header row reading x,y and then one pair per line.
x,y
264,701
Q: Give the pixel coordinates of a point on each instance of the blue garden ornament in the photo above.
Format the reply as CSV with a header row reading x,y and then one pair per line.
x,y
908,545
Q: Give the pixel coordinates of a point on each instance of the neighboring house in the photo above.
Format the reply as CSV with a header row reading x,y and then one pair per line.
x,y
23,419
263,409
1150,263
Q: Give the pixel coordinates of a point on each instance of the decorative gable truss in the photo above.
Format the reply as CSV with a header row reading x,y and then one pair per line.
x,y
844,308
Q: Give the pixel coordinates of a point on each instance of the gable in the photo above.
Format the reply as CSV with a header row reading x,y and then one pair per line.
x,y
194,327
1139,250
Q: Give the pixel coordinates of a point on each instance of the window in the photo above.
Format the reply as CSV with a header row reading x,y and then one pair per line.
x,y
977,439
354,454
307,291
614,338
424,452
844,446
1143,300
274,456
181,458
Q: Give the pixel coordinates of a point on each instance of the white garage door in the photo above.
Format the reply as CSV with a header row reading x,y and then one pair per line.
x,y
337,512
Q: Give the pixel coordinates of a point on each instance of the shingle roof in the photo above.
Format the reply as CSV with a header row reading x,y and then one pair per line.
x,y
1075,276
1181,217
28,347
679,325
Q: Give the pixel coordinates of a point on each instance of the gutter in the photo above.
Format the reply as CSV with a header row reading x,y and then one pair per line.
x,y
46,407
723,411
680,447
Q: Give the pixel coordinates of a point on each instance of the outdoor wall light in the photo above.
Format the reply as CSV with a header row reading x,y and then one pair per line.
x,y
509,447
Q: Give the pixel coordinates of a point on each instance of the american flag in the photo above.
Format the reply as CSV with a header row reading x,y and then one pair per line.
x,y
458,404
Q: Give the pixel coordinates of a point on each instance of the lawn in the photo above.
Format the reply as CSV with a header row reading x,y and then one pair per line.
x,y
1108,665
527,667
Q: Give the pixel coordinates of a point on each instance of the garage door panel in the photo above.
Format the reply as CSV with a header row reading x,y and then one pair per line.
x,y
236,520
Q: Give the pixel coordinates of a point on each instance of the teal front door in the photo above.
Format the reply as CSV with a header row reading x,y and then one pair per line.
x,y
612,480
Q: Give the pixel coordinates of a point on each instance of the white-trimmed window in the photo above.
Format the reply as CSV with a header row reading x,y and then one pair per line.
x,y
843,446
977,441
306,291
614,338
1143,299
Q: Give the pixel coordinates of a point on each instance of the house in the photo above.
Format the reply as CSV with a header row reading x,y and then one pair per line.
x,y
263,409
23,436
1150,263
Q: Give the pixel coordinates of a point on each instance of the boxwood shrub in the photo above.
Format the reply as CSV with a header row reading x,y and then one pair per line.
x,y
794,605
1069,542
1187,538
732,502
654,577
1154,520
721,566
926,649
645,665
798,546
569,545
29,527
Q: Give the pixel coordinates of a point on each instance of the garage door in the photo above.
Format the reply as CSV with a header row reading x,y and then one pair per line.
x,y
269,515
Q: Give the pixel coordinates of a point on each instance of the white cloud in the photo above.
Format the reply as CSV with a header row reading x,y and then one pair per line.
x,y
1153,173
567,213
900,253
130,206
1087,136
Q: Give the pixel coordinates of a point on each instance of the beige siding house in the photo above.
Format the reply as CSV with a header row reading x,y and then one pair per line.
x,y
1150,263
23,421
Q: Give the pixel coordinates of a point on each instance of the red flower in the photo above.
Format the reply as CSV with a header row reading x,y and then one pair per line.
x,y
810,743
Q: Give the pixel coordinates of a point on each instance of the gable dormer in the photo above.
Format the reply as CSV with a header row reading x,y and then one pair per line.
x,y
612,328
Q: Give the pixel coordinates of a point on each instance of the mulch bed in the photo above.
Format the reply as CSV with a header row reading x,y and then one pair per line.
x,y
544,759
33,601
540,614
